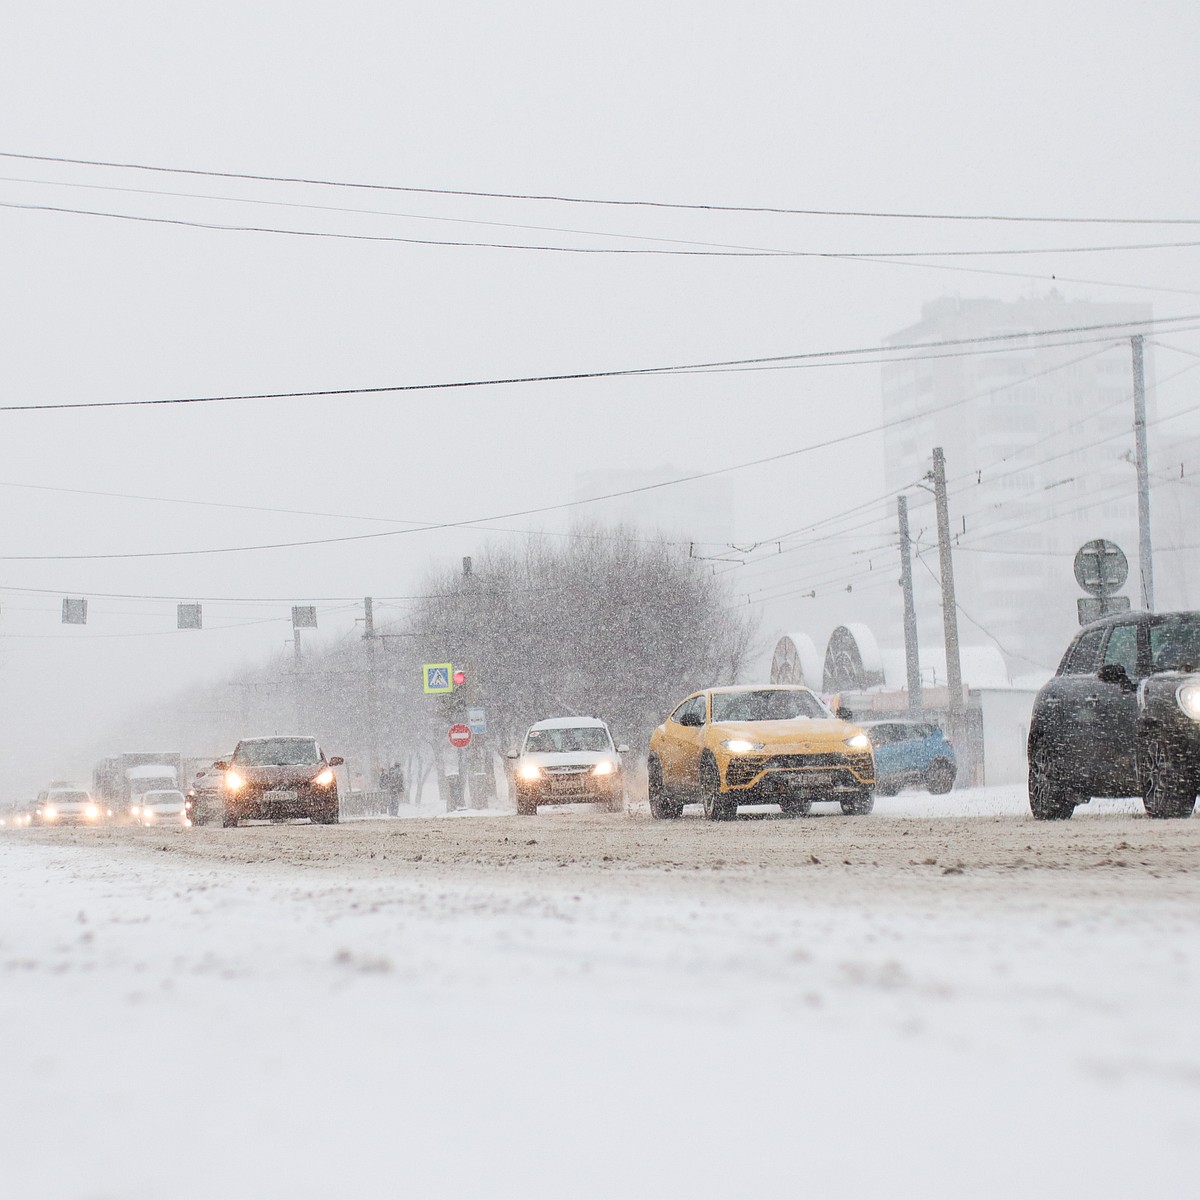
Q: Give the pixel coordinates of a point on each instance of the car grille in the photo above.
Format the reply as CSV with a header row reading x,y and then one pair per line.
x,y
741,771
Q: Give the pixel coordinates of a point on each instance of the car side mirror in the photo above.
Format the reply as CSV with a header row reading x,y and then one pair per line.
x,y
221,766
1115,673
513,754
622,748
843,713
691,719
336,761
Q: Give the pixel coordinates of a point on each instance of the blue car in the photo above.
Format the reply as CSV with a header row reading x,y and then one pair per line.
x,y
911,754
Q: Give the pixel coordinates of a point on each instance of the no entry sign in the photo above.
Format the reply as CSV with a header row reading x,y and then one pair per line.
x,y
460,736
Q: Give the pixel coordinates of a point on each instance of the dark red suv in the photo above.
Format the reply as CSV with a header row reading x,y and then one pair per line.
x,y
278,779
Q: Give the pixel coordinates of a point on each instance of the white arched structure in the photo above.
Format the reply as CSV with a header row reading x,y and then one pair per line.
x,y
852,660
796,661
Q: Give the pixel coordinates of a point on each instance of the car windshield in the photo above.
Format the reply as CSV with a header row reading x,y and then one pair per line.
x,y
278,752
568,739
1175,644
768,705
163,798
69,797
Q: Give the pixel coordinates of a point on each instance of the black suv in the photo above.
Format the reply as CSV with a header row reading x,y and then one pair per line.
x,y
1121,718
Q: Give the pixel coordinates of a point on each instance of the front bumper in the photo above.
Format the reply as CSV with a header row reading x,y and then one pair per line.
x,y
571,789
809,776
279,804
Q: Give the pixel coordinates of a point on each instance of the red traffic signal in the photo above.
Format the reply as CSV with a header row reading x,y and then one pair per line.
x,y
460,677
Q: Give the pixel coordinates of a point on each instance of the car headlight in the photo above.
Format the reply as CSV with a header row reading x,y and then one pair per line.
x,y
529,771
859,741
1187,696
603,767
324,779
49,812
147,814
741,746
91,812
233,781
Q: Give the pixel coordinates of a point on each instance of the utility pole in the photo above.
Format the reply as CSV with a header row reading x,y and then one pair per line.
x,y
912,660
1145,557
949,603
370,638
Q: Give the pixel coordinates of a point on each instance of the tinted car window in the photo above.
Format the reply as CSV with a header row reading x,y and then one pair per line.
x,y
1121,649
1081,658
766,705
882,735
1175,644
567,740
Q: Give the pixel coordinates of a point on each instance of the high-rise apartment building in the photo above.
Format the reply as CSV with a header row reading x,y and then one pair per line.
x,y
1038,436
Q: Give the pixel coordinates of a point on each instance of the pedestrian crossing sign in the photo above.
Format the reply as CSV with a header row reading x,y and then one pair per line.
x,y
437,677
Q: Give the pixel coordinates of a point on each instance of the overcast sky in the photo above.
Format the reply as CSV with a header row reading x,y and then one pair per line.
x,y
1047,108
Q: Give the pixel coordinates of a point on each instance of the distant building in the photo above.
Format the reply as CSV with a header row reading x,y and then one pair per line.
x,y
1038,439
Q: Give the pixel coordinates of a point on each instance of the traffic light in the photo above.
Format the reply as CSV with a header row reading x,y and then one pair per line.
x,y
460,677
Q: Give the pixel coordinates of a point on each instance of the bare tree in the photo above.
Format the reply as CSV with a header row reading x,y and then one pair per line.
x,y
607,624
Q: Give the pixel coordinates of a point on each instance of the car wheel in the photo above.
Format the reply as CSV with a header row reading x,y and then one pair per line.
x,y
229,818
718,806
662,807
615,804
796,808
858,806
526,804
327,814
1048,799
1167,791
939,779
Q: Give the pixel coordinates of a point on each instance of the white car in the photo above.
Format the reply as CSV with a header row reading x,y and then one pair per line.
x,y
68,806
568,760
162,808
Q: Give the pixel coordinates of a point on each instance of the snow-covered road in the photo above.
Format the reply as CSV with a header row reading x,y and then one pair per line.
x,y
175,1027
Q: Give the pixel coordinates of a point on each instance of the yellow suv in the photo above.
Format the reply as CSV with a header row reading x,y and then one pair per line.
x,y
758,745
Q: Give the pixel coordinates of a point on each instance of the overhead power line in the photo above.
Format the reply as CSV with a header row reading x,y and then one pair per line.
x,y
818,357
923,264
571,534
605,201
695,249
840,439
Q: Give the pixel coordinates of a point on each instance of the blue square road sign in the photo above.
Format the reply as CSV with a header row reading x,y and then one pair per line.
x,y
437,677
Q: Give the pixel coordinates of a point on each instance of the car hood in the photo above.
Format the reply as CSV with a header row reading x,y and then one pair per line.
x,y
280,776
69,806
802,733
